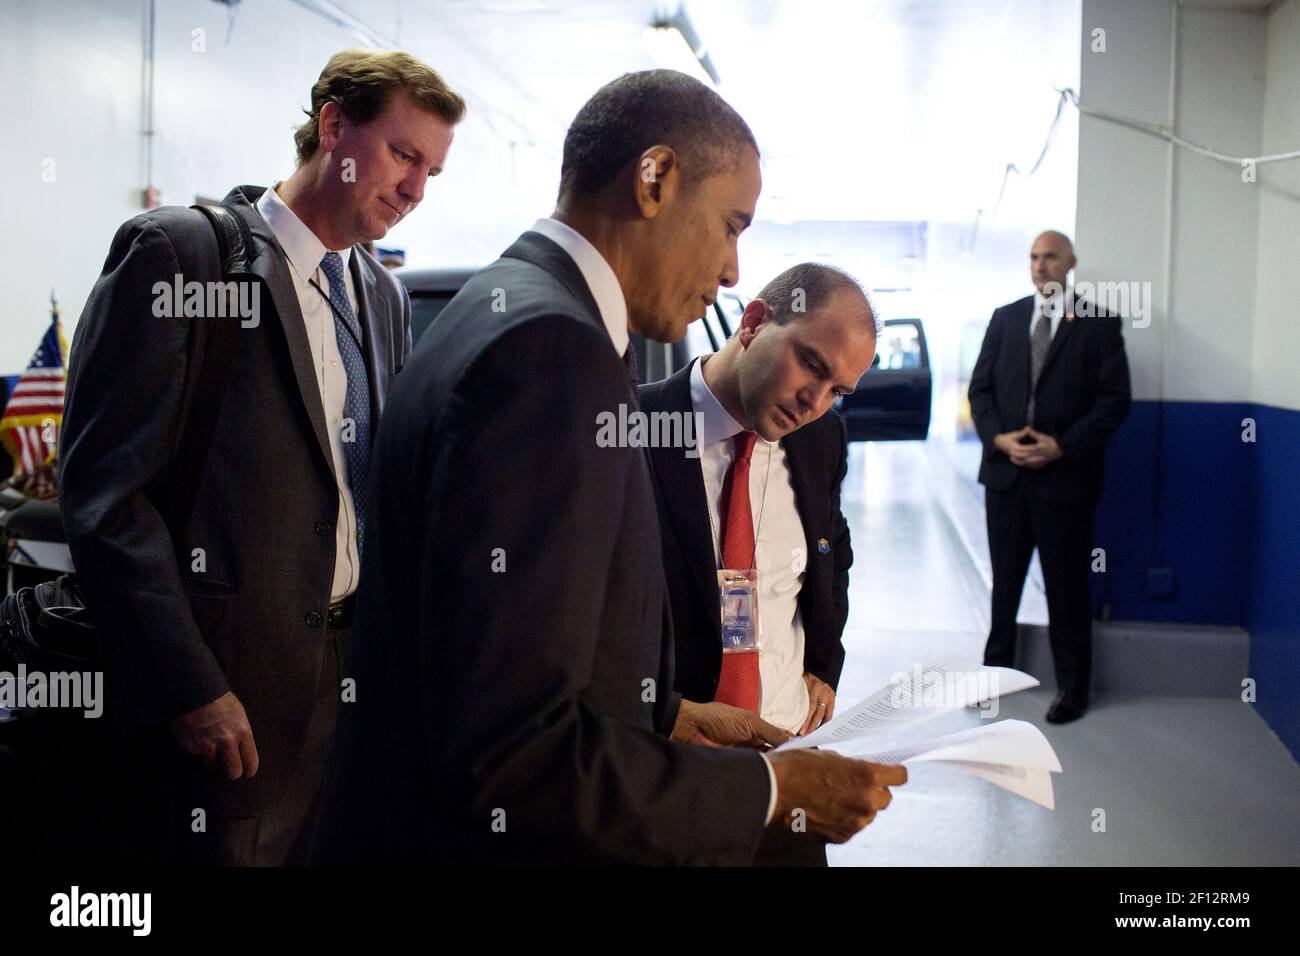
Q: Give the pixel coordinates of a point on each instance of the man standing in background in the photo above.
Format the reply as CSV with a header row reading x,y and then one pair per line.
x,y
1050,387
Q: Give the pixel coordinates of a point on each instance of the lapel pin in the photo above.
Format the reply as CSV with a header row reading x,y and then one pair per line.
x,y
823,546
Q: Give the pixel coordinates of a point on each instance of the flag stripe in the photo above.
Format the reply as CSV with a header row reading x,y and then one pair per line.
x,y
35,405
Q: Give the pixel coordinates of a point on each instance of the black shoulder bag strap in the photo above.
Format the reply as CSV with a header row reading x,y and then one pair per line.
x,y
235,243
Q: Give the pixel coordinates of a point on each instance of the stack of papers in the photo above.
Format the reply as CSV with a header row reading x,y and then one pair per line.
x,y
894,725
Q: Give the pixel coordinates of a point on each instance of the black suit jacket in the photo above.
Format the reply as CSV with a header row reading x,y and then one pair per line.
x,y
1083,395
513,649
174,638
818,458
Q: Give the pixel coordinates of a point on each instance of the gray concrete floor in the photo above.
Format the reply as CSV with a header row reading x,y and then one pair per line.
x,y
1175,780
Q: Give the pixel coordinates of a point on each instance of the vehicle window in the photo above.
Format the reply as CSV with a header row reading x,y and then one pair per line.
x,y
733,307
899,346
425,307
697,333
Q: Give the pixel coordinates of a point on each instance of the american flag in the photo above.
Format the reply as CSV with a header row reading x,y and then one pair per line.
x,y
30,423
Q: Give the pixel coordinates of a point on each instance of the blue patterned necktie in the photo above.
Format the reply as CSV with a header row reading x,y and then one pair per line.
x,y
347,331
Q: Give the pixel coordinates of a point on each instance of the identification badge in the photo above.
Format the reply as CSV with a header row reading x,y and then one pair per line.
x,y
738,594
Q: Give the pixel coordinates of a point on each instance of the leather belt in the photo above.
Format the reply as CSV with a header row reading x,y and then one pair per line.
x,y
340,615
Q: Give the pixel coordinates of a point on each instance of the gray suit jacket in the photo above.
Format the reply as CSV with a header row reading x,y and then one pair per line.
x,y
174,638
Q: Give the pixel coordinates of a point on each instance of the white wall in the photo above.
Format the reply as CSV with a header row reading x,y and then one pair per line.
x,y
1276,342
1206,348
227,116
1216,216
71,72
1122,173
222,117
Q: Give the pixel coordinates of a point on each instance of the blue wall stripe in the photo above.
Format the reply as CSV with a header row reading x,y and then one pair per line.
x,y
1231,533
1273,610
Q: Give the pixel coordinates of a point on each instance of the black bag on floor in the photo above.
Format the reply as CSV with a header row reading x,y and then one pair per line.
x,y
46,627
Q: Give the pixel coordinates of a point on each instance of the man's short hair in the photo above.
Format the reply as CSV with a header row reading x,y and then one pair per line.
x,y
360,82
805,288
652,108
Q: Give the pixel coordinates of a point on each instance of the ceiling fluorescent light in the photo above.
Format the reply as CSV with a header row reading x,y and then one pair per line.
x,y
673,44
668,49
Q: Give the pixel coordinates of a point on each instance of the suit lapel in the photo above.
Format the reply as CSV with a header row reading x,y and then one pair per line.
x,y
363,280
534,248
1020,342
813,507
684,498
1064,329
270,266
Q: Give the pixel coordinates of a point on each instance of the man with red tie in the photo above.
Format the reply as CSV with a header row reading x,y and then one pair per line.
x,y
754,521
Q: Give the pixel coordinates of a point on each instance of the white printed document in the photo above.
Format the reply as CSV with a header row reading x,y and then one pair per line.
x,y
890,727
1013,754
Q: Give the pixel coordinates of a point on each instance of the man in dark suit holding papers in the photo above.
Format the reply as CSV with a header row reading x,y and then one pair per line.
x,y
513,651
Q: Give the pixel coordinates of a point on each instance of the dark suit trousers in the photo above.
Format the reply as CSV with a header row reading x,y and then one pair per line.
x,y
282,834
156,825
1019,521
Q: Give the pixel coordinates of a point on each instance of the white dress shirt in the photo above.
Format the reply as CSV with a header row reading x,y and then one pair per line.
x,y
599,277
304,253
780,552
607,292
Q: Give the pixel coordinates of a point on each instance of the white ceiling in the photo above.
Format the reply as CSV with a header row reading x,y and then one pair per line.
x,y
888,109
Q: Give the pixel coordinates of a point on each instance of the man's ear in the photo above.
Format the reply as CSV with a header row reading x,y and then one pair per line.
x,y
329,126
756,314
656,181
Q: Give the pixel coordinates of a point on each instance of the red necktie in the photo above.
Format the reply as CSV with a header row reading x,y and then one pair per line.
x,y
739,683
